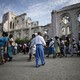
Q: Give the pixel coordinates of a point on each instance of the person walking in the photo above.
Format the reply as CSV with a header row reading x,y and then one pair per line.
x,y
51,48
3,47
32,48
66,46
62,47
74,46
40,42
12,43
57,47
9,50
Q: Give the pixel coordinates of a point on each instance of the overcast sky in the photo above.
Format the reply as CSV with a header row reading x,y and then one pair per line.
x,y
37,10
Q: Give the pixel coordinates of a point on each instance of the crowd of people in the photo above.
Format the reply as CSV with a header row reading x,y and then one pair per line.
x,y
56,46
60,48
6,47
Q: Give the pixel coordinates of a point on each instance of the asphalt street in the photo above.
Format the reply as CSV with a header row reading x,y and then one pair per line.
x,y
54,69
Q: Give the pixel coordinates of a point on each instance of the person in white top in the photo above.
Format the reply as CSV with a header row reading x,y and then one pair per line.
x,y
51,48
39,42
12,43
15,47
32,48
74,46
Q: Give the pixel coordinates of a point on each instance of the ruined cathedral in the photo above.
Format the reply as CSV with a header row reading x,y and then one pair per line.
x,y
64,22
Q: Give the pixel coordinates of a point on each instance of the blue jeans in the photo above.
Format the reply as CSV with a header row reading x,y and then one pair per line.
x,y
39,54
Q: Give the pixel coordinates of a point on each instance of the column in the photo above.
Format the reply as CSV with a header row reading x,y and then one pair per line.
x,y
30,33
22,35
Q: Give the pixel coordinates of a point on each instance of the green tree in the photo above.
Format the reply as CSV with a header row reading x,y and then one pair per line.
x,y
24,40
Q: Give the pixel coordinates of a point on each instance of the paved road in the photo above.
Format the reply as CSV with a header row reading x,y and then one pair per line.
x,y
54,69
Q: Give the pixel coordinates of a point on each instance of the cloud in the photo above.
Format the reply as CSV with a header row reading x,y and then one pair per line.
x,y
2,8
42,11
5,8
37,10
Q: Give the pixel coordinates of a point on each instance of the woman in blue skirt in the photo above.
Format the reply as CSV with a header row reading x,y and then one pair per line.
x,y
9,50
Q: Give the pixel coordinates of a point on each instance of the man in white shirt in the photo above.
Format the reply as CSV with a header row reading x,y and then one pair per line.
x,y
39,42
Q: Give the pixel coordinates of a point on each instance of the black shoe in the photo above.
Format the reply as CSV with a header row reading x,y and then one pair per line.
x,y
37,66
54,57
71,55
43,64
2,62
29,60
47,56
9,60
65,55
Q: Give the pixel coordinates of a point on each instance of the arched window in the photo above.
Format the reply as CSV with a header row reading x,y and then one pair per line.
x,y
65,19
13,25
78,18
68,30
10,25
65,24
45,31
63,31
45,34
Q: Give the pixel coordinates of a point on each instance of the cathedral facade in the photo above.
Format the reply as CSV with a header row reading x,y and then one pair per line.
x,y
66,22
